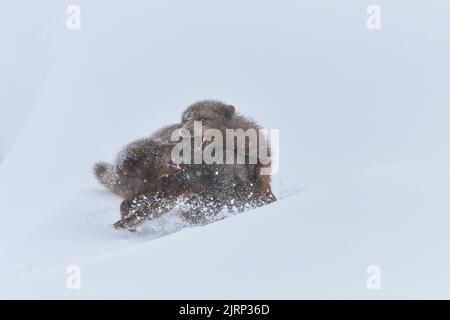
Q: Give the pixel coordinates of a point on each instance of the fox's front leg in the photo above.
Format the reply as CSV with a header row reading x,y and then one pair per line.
x,y
140,209
125,212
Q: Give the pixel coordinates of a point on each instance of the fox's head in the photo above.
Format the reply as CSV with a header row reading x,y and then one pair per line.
x,y
213,115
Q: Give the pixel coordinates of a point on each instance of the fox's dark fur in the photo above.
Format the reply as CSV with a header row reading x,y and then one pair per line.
x,y
150,183
141,167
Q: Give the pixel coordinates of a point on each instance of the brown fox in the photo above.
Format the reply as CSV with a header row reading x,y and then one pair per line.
x,y
151,184
218,115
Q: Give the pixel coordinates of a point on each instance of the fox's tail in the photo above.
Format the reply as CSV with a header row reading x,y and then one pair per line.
x,y
106,175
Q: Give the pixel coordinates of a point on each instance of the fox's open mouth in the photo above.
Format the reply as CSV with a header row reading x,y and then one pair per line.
x,y
207,140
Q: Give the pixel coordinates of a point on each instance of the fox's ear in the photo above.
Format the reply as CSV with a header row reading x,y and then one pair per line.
x,y
230,110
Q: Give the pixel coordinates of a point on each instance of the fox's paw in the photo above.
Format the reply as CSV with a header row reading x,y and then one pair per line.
x,y
120,225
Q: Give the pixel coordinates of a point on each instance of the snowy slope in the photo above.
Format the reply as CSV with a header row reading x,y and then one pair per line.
x,y
364,159
22,77
295,248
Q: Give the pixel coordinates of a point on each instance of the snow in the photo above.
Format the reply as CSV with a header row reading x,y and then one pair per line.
x,y
364,160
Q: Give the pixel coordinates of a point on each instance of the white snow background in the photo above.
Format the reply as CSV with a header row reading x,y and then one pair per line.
x,y
364,119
